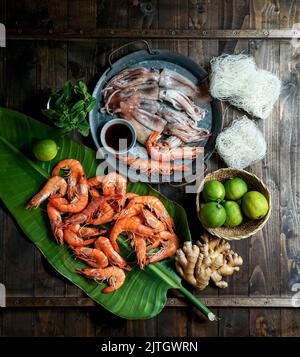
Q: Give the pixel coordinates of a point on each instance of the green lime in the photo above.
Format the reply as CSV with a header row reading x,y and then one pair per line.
x,y
212,215
213,191
234,215
45,150
254,205
235,188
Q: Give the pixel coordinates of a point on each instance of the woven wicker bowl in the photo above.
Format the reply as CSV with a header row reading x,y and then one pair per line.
x,y
248,227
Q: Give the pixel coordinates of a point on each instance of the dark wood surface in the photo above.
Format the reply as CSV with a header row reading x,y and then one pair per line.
x,y
50,41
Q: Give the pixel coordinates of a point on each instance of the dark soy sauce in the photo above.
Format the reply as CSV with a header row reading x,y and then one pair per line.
x,y
118,137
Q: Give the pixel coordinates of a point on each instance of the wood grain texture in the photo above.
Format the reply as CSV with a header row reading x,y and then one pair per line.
x,y
289,167
223,301
51,71
264,323
167,34
265,249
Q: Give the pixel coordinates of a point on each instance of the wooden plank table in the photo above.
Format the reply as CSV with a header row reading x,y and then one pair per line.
x,y
48,42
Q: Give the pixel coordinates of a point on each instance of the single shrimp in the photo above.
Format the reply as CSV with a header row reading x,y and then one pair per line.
x,y
139,244
78,203
95,181
55,223
154,204
155,243
157,240
132,211
152,221
85,232
94,192
89,211
130,195
148,217
114,275
93,257
56,186
114,258
128,225
169,248
114,183
162,152
151,167
73,240
75,173
105,215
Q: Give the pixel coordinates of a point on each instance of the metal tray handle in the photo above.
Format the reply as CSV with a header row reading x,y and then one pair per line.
x,y
146,43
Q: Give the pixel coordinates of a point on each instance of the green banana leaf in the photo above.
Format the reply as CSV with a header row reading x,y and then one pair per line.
x,y
143,294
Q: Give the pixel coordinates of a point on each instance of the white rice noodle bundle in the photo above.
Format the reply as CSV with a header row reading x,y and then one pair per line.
x,y
236,79
241,144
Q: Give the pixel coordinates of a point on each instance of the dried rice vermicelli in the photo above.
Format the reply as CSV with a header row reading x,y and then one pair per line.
x,y
241,144
237,79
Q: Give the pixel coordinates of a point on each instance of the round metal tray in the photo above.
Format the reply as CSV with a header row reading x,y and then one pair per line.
x,y
156,59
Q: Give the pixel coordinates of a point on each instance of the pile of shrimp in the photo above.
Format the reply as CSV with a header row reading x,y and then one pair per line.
x,y
77,206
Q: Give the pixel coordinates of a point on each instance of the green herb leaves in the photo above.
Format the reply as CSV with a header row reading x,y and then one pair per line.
x,y
69,108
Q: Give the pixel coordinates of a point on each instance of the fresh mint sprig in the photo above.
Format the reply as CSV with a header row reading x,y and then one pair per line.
x,y
69,108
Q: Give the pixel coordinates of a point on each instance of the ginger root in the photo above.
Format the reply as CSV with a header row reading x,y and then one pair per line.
x,y
211,259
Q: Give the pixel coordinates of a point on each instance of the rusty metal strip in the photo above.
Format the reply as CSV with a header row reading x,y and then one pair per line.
x,y
109,33
224,302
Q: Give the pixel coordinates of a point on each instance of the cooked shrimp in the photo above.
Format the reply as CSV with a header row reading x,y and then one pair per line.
x,y
134,210
156,241
56,186
75,173
154,204
169,248
94,192
114,275
128,225
152,221
114,258
73,240
162,151
85,232
93,257
130,195
148,217
89,211
114,183
151,167
95,181
105,215
78,203
55,223
139,243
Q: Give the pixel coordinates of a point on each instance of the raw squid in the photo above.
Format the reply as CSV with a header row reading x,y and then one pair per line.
x,y
132,77
187,136
172,80
182,102
150,121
